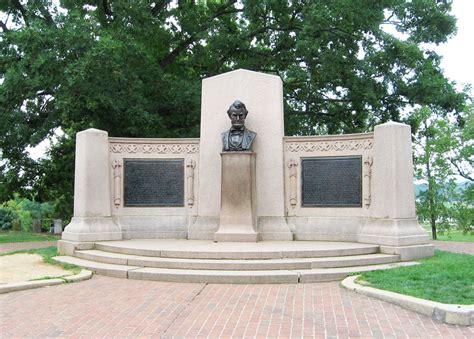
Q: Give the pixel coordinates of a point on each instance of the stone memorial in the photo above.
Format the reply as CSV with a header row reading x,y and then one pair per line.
x,y
58,226
249,183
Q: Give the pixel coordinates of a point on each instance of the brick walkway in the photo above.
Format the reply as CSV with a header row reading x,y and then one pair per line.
x,y
454,246
112,307
16,246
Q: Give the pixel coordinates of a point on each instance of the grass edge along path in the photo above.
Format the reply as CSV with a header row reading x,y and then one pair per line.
x,y
446,278
48,253
15,236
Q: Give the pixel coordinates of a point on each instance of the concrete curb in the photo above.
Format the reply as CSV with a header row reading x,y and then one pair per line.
x,y
26,285
447,313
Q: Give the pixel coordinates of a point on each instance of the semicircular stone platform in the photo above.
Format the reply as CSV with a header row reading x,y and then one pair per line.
x,y
200,261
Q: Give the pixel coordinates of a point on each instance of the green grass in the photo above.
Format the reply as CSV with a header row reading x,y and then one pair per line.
x,y
447,278
48,253
14,236
456,236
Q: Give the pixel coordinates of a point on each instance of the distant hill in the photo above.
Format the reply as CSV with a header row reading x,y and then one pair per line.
x,y
461,185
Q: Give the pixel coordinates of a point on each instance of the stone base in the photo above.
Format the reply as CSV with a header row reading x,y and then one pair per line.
x,y
408,253
273,228
326,228
92,229
235,237
68,247
393,232
203,228
153,227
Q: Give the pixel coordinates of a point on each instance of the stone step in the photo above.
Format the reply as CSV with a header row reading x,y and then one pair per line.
x,y
110,270
222,277
209,250
226,264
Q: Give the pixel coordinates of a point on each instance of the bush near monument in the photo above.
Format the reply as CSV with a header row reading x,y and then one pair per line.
x,y
23,213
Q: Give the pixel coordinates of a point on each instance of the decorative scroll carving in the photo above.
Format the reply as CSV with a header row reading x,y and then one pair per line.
x,y
329,146
190,166
292,164
367,178
154,148
117,183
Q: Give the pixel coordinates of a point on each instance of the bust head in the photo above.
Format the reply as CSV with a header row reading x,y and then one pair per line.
x,y
237,113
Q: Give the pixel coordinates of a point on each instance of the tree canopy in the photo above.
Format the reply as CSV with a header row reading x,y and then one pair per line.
x,y
134,68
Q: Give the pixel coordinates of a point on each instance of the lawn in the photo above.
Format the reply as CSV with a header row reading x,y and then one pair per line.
x,y
456,236
447,278
13,236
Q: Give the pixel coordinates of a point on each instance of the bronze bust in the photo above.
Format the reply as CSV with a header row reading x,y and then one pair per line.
x,y
237,138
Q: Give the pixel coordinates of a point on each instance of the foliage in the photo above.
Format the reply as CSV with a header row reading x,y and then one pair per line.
x,y
12,236
6,218
446,278
26,210
439,156
134,68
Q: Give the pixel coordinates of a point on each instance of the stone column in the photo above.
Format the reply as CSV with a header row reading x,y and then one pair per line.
x,y
263,96
237,213
393,221
92,219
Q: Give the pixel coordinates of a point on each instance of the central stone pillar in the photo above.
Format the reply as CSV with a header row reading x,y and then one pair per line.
x,y
238,198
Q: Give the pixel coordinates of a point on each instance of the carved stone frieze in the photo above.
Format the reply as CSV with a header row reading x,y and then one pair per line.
x,y
329,146
154,148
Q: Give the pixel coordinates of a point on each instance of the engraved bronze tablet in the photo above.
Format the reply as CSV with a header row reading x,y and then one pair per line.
x,y
331,181
153,183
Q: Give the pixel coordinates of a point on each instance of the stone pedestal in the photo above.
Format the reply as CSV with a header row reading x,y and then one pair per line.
x,y
393,221
92,219
238,198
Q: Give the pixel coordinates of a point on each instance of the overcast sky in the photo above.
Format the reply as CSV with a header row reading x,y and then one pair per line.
x,y
458,52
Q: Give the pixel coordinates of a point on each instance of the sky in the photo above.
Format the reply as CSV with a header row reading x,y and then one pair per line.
x,y
457,55
458,52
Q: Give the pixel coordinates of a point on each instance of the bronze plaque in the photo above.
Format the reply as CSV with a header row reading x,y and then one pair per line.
x,y
153,183
332,181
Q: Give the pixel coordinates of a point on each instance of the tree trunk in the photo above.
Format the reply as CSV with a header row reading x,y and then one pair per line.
x,y
431,203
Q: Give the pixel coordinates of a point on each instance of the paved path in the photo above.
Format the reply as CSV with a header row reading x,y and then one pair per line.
x,y
16,246
111,307
454,246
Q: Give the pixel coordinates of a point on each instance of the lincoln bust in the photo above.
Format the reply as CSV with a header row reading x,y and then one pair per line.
x,y
237,138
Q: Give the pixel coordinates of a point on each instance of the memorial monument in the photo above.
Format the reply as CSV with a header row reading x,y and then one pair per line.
x,y
242,186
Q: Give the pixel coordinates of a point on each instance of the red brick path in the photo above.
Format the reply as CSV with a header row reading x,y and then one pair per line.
x,y
111,307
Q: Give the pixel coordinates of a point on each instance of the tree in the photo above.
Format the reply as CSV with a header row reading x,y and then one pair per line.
x,y
134,68
440,148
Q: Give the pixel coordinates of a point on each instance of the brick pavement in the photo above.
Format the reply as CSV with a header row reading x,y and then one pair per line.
x,y
454,246
16,246
111,307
